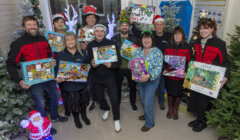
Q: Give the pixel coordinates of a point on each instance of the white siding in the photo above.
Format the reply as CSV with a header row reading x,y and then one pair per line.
x,y
8,16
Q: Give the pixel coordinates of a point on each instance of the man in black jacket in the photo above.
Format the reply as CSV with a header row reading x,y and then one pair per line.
x,y
103,75
119,38
32,46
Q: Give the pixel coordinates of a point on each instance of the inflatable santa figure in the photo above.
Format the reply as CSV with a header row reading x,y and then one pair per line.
x,y
39,126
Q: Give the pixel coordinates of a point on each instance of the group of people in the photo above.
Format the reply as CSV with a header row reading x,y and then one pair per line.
x,y
153,46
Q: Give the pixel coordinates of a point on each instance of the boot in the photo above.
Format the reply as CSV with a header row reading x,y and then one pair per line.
x,y
85,118
170,107
200,126
77,121
175,108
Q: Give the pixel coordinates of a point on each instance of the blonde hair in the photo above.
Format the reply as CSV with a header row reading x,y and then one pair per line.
x,y
78,48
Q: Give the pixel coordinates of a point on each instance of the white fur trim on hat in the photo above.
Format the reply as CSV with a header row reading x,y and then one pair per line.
x,y
99,26
159,19
58,16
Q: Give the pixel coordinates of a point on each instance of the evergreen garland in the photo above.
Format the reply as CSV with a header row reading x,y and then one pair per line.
x,y
225,114
38,15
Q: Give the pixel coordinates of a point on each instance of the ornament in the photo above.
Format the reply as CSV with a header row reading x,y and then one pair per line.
x,y
195,37
203,14
39,126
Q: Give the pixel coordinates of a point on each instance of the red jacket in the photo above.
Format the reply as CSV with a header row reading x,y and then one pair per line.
x,y
178,50
26,48
215,53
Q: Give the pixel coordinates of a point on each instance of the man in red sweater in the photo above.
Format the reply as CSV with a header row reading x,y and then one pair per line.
x,y
32,46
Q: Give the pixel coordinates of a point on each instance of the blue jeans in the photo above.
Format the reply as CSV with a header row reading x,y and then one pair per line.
x,y
161,89
147,94
90,87
37,95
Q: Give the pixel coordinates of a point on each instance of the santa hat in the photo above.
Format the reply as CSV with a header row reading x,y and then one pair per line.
x,y
59,16
90,10
158,18
99,26
33,114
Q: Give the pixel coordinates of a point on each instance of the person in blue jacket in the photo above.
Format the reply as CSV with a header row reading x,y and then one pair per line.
x,y
75,94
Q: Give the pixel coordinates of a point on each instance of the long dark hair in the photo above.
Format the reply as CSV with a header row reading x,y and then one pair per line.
x,y
146,34
208,23
178,29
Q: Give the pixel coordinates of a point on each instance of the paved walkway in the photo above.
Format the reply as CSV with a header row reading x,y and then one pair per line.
x,y
164,129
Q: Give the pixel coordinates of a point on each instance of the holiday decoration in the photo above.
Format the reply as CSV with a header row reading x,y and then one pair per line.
x,y
184,13
39,126
72,24
169,13
111,26
123,17
14,102
225,114
38,15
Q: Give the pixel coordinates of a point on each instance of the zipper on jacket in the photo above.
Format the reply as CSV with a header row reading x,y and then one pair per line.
x,y
203,51
38,50
35,50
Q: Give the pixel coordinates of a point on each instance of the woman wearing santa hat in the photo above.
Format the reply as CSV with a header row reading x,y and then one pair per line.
x,y
90,18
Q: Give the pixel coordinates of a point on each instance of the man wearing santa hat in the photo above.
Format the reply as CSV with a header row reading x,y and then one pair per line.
x,y
161,39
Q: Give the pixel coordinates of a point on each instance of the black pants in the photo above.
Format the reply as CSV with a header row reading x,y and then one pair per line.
x,y
99,85
199,104
131,84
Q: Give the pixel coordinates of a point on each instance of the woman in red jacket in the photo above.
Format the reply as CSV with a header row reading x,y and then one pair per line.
x,y
211,50
174,85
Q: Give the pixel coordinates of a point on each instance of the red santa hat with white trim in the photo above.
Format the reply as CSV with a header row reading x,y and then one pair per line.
x,y
59,16
158,18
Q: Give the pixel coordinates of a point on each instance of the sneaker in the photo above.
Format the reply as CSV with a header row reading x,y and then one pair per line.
x,y
105,115
60,119
92,106
117,126
162,106
53,131
134,107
